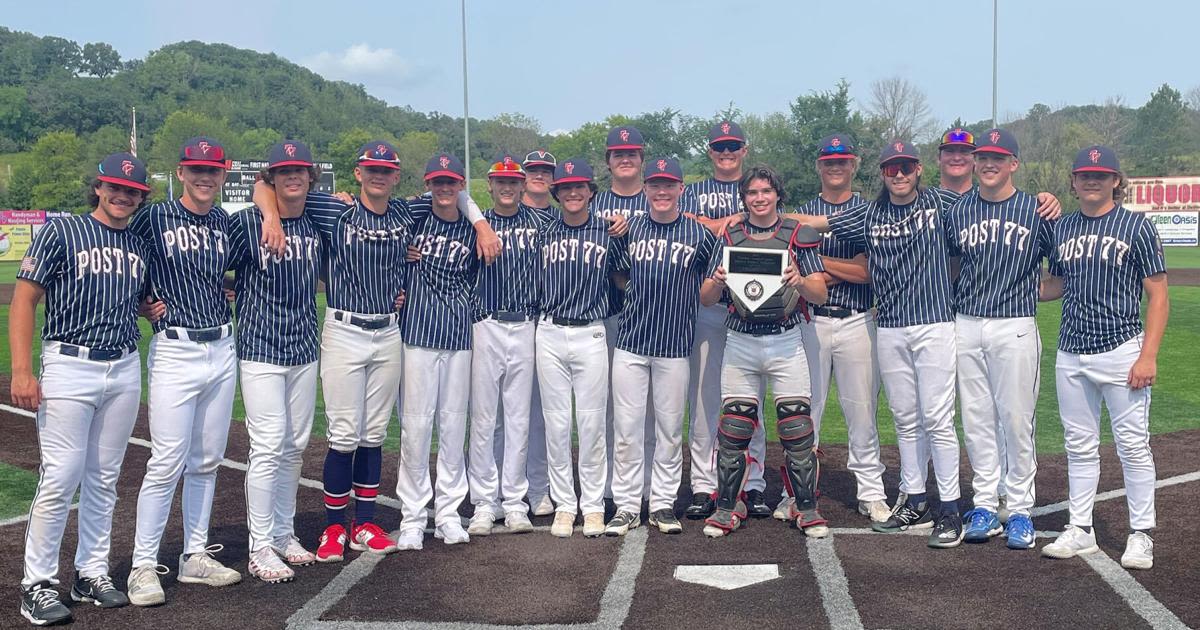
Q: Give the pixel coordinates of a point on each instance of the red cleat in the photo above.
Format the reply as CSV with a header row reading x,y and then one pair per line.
x,y
332,547
370,537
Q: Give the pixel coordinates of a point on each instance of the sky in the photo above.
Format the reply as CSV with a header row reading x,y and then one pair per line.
x,y
569,62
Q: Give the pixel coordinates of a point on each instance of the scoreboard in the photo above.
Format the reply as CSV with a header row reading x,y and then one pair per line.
x,y
238,190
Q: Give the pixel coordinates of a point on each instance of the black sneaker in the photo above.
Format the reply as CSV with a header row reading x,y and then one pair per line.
x,y
947,532
41,606
622,523
99,591
701,508
905,517
666,522
756,504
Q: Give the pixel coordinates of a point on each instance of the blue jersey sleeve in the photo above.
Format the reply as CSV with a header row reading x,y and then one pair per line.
x,y
45,257
851,225
808,260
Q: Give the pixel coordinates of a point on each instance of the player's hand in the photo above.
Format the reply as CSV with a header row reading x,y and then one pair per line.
x,y
399,303
273,238
731,221
618,225
344,197
26,391
230,295
1143,373
413,255
830,279
151,309
792,277
719,276
1048,206
487,244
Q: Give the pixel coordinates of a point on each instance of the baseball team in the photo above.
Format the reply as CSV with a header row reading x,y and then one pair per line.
x,y
557,349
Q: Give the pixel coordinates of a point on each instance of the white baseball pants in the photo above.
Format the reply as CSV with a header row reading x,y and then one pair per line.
x,y
84,422
1083,382
360,379
664,380
754,362
610,328
535,464
502,374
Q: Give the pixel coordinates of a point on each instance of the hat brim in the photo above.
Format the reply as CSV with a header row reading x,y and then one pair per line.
x,y
836,156
572,180
1095,169
507,174
955,144
451,174
526,164
391,165
623,147
994,149
663,176
290,163
217,163
124,182
901,156
724,138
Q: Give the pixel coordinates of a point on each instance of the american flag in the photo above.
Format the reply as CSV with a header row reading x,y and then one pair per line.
x,y
28,264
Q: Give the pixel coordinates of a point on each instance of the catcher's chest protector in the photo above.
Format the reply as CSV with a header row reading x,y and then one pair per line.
x,y
781,304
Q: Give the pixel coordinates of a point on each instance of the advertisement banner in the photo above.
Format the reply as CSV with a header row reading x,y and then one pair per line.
x,y
1176,228
1163,194
14,241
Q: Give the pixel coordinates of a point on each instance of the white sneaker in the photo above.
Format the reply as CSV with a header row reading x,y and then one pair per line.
x,y
564,525
144,587
1139,551
410,538
878,511
203,568
544,506
783,511
266,565
293,552
593,524
1072,542
481,523
452,533
517,522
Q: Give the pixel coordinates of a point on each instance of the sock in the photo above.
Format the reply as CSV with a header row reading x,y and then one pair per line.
x,y
336,478
915,500
1086,529
948,507
368,464
1144,531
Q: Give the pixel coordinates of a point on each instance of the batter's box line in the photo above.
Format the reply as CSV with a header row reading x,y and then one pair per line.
x,y
614,603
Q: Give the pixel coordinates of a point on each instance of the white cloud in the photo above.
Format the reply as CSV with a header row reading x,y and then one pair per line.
x,y
374,67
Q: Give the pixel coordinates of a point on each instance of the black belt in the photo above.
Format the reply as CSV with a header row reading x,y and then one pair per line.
x,y
573,323
836,312
92,354
510,316
200,335
779,330
365,323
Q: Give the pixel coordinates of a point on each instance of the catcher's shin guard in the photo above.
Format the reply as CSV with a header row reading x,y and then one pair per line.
x,y
801,469
739,417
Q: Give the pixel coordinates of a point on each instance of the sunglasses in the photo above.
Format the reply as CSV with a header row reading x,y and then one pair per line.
x,y
214,154
958,136
894,169
726,146
505,167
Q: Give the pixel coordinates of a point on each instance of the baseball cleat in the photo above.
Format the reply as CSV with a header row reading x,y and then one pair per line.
x,y
1139,551
622,523
371,537
1019,532
1074,541
593,524
756,504
266,565
332,545
810,522
723,522
701,508
666,522
144,586
784,509
41,606
543,506
878,511
980,524
947,532
293,552
99,591
203,568
481,523
905,517
411,538
564,525
452,533
517,522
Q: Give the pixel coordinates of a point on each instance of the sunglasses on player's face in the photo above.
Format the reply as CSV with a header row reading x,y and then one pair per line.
x,y
726,146
896,168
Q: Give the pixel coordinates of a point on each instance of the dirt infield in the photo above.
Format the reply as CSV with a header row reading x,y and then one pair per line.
x,y
854,579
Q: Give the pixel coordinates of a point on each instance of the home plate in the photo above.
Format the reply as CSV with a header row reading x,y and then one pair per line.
x,y
726,577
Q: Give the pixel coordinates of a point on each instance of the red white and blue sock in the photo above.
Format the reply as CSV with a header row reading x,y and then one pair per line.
x,y
368,464
336,478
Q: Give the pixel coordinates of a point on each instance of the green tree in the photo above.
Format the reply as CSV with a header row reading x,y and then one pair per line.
x,y
54,178
100,60
414,148
1162,134
256,142
343,152
16,118
178,128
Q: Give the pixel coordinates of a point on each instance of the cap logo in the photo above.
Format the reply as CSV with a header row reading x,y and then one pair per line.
x,y
724,127
836,142
127,168
624,133
508,160
662,165
381,150
290,150
995,137
899,146
1094,156
541,154
444,161
569,167
203,146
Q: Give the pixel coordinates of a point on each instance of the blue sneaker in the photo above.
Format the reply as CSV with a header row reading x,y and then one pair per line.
x,y
981,525
1019,532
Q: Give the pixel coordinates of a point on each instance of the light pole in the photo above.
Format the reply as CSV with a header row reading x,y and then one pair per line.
x,y
466,110
995,48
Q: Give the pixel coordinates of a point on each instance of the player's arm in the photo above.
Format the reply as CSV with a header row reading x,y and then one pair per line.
x,y
26,391
487,244
273,238
713,287
716,226
852,270
618,225
1051,288
1145,369
1048,206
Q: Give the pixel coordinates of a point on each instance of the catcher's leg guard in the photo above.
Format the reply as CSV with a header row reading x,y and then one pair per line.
x,y
801,471
739,417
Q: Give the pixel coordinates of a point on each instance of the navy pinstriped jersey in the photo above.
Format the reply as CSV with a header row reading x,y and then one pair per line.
x,y
842,294
547,214
573,276
1002,245
808,261
189,254
711,198
93,276
364,252
276,295
441,303
510,283
607,203
666,263
1102,262
908,257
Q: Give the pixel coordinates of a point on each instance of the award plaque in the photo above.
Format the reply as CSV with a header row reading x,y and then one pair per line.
x,y
753,274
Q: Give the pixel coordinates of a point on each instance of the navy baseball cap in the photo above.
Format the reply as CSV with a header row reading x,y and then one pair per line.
x,y
997,141
539,158
663,168
898,150
957,137
506,166
203,151
573,170
123,169
624,137
1097,159
378,153
289,153
726,130
836,147
445,165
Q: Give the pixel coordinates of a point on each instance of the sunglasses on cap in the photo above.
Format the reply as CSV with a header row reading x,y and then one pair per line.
x,y
214,154
896,168
958,136
505,167
726,146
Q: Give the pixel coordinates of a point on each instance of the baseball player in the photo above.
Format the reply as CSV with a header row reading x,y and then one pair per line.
x,y
1001,241
192,367
440,308
572,355
277,348
1105,257
92,271
711,202
839,339
764,345
671,262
